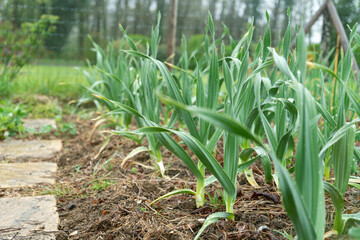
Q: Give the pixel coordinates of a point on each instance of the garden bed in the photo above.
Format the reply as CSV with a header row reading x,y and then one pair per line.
x,y
114,203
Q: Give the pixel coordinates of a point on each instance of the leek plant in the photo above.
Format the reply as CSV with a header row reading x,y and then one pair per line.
x,y
200,132
132,83
146,102
303,197
110,77
342,142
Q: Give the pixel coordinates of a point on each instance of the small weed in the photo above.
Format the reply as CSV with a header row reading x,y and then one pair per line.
x,y
5,161
77,168
58,190
134,170
285,234
68,127
10,119
108,167
45,129
101,184
143,209
215,201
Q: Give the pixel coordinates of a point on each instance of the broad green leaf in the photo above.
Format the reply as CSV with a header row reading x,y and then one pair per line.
x,y
105,143
342,159
129,40
308,167
301,52
201,152
129,135
174,91
269,132
281,63
176,192
354,232
287,37
212,218
213,82
340,133
267,168
241,167
294,204
338,202
355,217
325,114
221,120
211,26
355,185
267,39
173,147
134,152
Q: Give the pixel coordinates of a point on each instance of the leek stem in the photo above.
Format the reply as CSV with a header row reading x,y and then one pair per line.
x,y
229,204
338,223
200,189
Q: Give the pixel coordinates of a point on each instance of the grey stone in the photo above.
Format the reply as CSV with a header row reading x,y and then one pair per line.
x,y
38,123
26,174
28,218
18,150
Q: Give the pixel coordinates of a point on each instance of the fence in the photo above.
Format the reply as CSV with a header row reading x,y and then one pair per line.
x,y
100,18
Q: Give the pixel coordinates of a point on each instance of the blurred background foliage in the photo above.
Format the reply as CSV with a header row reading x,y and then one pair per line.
x,y
100,19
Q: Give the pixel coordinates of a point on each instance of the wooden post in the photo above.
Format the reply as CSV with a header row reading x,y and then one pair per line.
x,y
330,7
341,31
311,22
171,43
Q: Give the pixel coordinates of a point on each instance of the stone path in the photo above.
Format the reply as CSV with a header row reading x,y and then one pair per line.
x,y
19,150
26,174
22,164
28,217
36,124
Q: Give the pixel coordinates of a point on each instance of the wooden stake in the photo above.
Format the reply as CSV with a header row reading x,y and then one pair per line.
x,y
341,31
330,7
335,70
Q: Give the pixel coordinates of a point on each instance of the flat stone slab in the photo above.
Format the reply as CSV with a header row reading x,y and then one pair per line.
x,y
28,150
36,124
26,174
28,218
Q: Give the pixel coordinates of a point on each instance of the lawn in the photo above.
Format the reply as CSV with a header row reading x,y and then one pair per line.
x,y
52,80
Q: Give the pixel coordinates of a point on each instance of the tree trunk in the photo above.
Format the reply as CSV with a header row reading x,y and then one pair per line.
x,y
137,17
274,28
81,37
325,33
172,30
104,18
115,24
16,21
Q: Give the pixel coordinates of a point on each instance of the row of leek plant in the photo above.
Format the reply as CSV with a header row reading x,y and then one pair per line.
x,y
303,197
251,103
121,78
201,138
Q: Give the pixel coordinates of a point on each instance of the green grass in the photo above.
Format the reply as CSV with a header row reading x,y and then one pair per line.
x,y
49,80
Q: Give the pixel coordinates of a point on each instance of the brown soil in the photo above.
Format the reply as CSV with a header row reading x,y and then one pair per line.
x,y
121,210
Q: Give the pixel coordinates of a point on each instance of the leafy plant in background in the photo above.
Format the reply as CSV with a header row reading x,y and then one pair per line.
x,y
18,47
68,127
10,119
